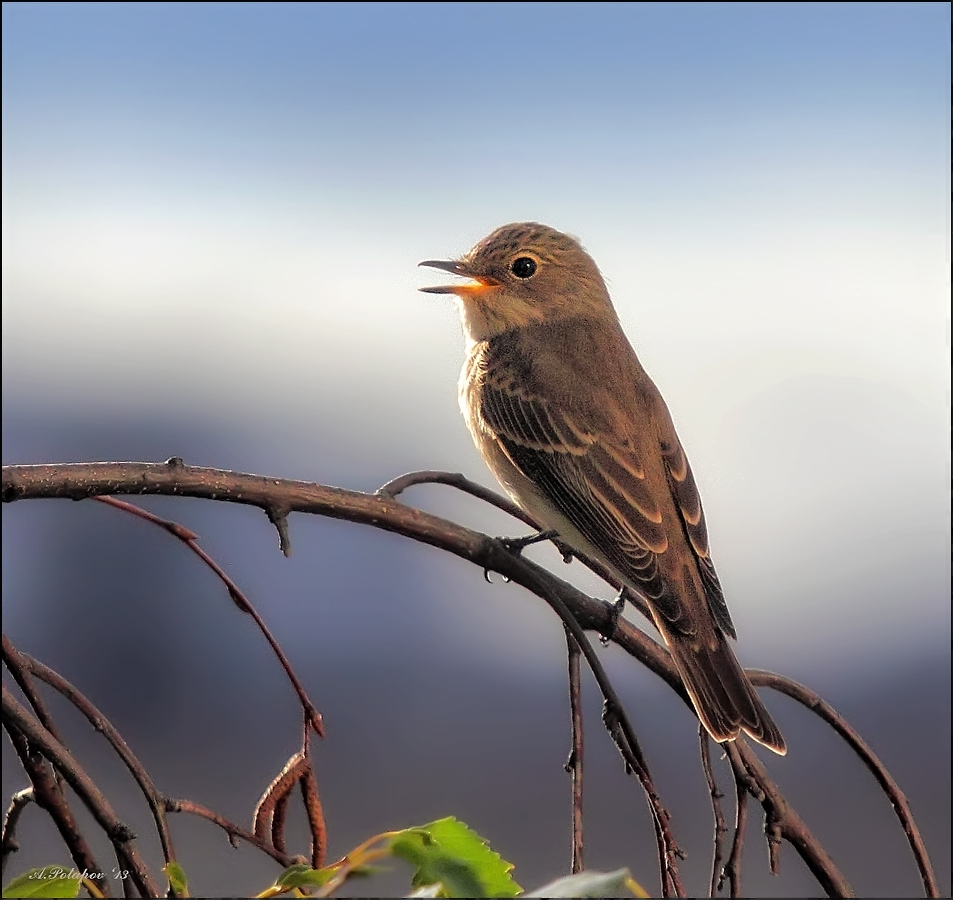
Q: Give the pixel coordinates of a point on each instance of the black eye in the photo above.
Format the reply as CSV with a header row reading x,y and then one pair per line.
x,y
523,267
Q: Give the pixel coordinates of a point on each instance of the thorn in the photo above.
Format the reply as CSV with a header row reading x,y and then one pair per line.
x,y
278,516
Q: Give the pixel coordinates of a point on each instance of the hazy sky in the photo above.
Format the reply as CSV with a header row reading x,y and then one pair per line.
x,y
217,210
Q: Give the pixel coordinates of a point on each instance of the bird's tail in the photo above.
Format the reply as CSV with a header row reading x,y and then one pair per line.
x,y
721,693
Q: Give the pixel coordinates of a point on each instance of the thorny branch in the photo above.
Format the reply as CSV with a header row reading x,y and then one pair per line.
x,y
279,497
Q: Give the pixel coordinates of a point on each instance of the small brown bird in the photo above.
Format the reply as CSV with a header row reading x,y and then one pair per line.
x,y
576,432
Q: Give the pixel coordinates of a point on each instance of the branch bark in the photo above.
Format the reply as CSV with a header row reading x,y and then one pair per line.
x,y
279,497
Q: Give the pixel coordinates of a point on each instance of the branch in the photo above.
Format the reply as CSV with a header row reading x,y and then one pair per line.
x,y
279,497
312,718
17,718
898,800
716,796
574,764
782,821
153,797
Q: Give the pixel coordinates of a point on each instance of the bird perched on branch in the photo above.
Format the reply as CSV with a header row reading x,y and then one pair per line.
x,y
577,433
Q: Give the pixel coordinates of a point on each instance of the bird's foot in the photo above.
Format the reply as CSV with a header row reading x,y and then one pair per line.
x,y
517,545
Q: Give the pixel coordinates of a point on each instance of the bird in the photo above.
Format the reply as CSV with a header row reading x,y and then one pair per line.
x,y
577,433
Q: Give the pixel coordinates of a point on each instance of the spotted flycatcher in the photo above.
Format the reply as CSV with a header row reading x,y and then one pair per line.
x,y
577,433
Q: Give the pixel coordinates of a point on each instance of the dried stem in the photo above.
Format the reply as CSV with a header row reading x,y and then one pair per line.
x,y
190,539
234,832
17,718
96,718
716,796
574,764
898,800
733,866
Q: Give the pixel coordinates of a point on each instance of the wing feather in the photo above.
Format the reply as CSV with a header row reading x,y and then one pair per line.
x,y
594,475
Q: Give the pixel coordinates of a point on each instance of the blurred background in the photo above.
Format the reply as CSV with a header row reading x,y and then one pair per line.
x,y
212,216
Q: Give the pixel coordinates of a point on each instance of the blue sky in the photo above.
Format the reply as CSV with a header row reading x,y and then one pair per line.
x,y
216,210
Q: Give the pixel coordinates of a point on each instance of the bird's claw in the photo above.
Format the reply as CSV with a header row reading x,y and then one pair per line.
x,y
517,545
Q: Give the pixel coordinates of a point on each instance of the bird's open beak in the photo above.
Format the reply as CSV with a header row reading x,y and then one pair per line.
x,y
476,285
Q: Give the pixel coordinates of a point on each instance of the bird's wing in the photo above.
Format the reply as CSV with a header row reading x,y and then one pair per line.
x,y
594,476
597,484
688,502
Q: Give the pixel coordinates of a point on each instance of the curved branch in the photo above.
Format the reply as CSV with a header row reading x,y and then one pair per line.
x,y
17,717
782,819
174,478
312,717
153,797
816,704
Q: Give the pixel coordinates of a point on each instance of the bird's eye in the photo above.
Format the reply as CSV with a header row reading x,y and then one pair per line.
x,y
523,267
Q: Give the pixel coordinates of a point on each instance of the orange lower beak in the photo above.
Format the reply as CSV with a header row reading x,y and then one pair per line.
x,y
476,285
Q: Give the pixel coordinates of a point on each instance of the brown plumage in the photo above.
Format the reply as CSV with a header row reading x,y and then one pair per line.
x,y
576,432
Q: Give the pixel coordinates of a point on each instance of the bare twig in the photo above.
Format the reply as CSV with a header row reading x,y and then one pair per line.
x,y
577,611
190,539
733,866
716,796
79,480
17,717
47,786
233,831
574,764
898,800
96,718
781,815
18,802
398,485
455,479
18,666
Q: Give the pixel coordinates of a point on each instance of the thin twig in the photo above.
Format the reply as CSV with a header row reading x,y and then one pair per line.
x,y
574,764
17,665
716,796
18,802
459,481
189,538
780,814
99,721
233,831
77,481
17,717
47,784
733,867
820,707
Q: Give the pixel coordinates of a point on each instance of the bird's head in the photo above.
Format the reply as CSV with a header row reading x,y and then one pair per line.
x,y
520,275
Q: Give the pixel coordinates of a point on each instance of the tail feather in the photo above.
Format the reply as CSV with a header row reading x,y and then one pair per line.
x,y
723,697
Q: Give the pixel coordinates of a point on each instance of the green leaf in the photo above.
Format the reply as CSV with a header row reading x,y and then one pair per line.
x,y
303,876
592,884
448,853
49,881
177,880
